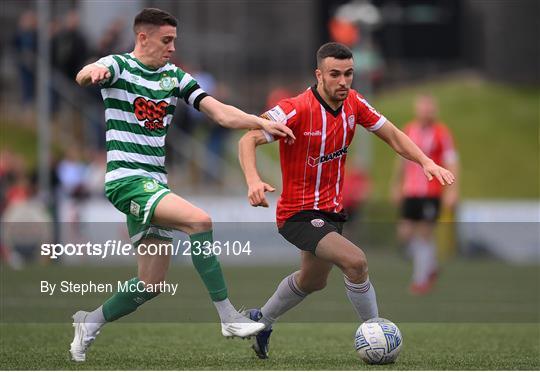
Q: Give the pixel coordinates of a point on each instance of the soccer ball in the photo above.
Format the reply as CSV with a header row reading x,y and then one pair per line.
x,y
378,341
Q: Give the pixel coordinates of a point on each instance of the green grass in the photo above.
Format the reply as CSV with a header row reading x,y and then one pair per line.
x,y
314,346
484,314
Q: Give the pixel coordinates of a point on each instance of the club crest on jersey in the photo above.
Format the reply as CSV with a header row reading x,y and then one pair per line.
x,y
150,186
350,121
314,161
317,222
167,82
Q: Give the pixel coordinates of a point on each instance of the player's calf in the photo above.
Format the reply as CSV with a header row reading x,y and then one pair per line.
x,y
309,285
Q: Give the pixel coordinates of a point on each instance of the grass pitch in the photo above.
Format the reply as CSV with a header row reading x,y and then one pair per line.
x,y
307,346
483,315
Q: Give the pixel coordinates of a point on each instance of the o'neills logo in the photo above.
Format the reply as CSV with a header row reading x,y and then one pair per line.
x,y
313,162
317,222
313,134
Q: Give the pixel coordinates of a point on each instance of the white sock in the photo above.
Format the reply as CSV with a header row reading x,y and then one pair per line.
x,y
423,257
363,298
95,320
433,263
286,296
226,310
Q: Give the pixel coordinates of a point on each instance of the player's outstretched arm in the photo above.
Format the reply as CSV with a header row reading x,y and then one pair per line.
x,y
231,117
248,161
92,74
405,147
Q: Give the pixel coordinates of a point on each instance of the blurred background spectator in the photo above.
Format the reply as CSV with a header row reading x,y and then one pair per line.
x,y
25,45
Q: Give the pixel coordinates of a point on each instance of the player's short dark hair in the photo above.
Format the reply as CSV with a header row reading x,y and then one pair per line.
x,y
153,17
336,50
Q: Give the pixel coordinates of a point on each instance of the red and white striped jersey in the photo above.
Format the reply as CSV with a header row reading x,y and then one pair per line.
x,y
313,167
436,142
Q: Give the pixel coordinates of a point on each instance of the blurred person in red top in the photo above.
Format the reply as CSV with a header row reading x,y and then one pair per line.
x,y
421,199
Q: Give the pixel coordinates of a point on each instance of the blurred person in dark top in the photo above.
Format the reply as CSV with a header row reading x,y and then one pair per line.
x,y
25,45
70,48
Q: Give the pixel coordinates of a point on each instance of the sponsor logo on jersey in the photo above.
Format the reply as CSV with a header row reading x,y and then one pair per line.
x,y
313,162
317,222
317,133
150,112
277,114
350,121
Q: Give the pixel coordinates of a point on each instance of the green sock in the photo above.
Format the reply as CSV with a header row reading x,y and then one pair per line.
x,y
208,266
126,301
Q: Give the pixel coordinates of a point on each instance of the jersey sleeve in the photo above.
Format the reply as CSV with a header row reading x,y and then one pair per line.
x,y
189,89
284,112
449,154
367,116
114,64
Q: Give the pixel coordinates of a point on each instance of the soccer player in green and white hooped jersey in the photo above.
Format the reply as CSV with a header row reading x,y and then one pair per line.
x,y
140,91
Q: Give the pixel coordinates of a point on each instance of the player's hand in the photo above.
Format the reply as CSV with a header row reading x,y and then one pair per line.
x,y
256,193
444,176
279,130
99,74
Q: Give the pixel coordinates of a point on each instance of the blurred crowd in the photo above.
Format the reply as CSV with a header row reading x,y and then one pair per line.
x,y
75,177
70,50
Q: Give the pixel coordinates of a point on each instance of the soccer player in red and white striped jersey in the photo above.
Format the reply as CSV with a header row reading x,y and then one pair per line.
x,y
420,199
310,214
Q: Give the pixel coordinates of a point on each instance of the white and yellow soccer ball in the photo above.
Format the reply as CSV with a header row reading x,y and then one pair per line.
x,y
378,341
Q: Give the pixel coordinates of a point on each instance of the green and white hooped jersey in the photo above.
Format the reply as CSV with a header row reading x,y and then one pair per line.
x,y
139,106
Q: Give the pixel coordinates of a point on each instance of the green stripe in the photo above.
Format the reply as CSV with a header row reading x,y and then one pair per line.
x,y
113,103
135,148
116,164
184,91
170,110
121,63
135,128
140,90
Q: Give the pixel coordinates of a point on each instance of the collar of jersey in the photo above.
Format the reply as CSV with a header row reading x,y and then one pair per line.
x,y
132,56
329,109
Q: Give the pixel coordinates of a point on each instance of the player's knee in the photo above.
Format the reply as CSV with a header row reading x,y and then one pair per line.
x,y
356,268
201,223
